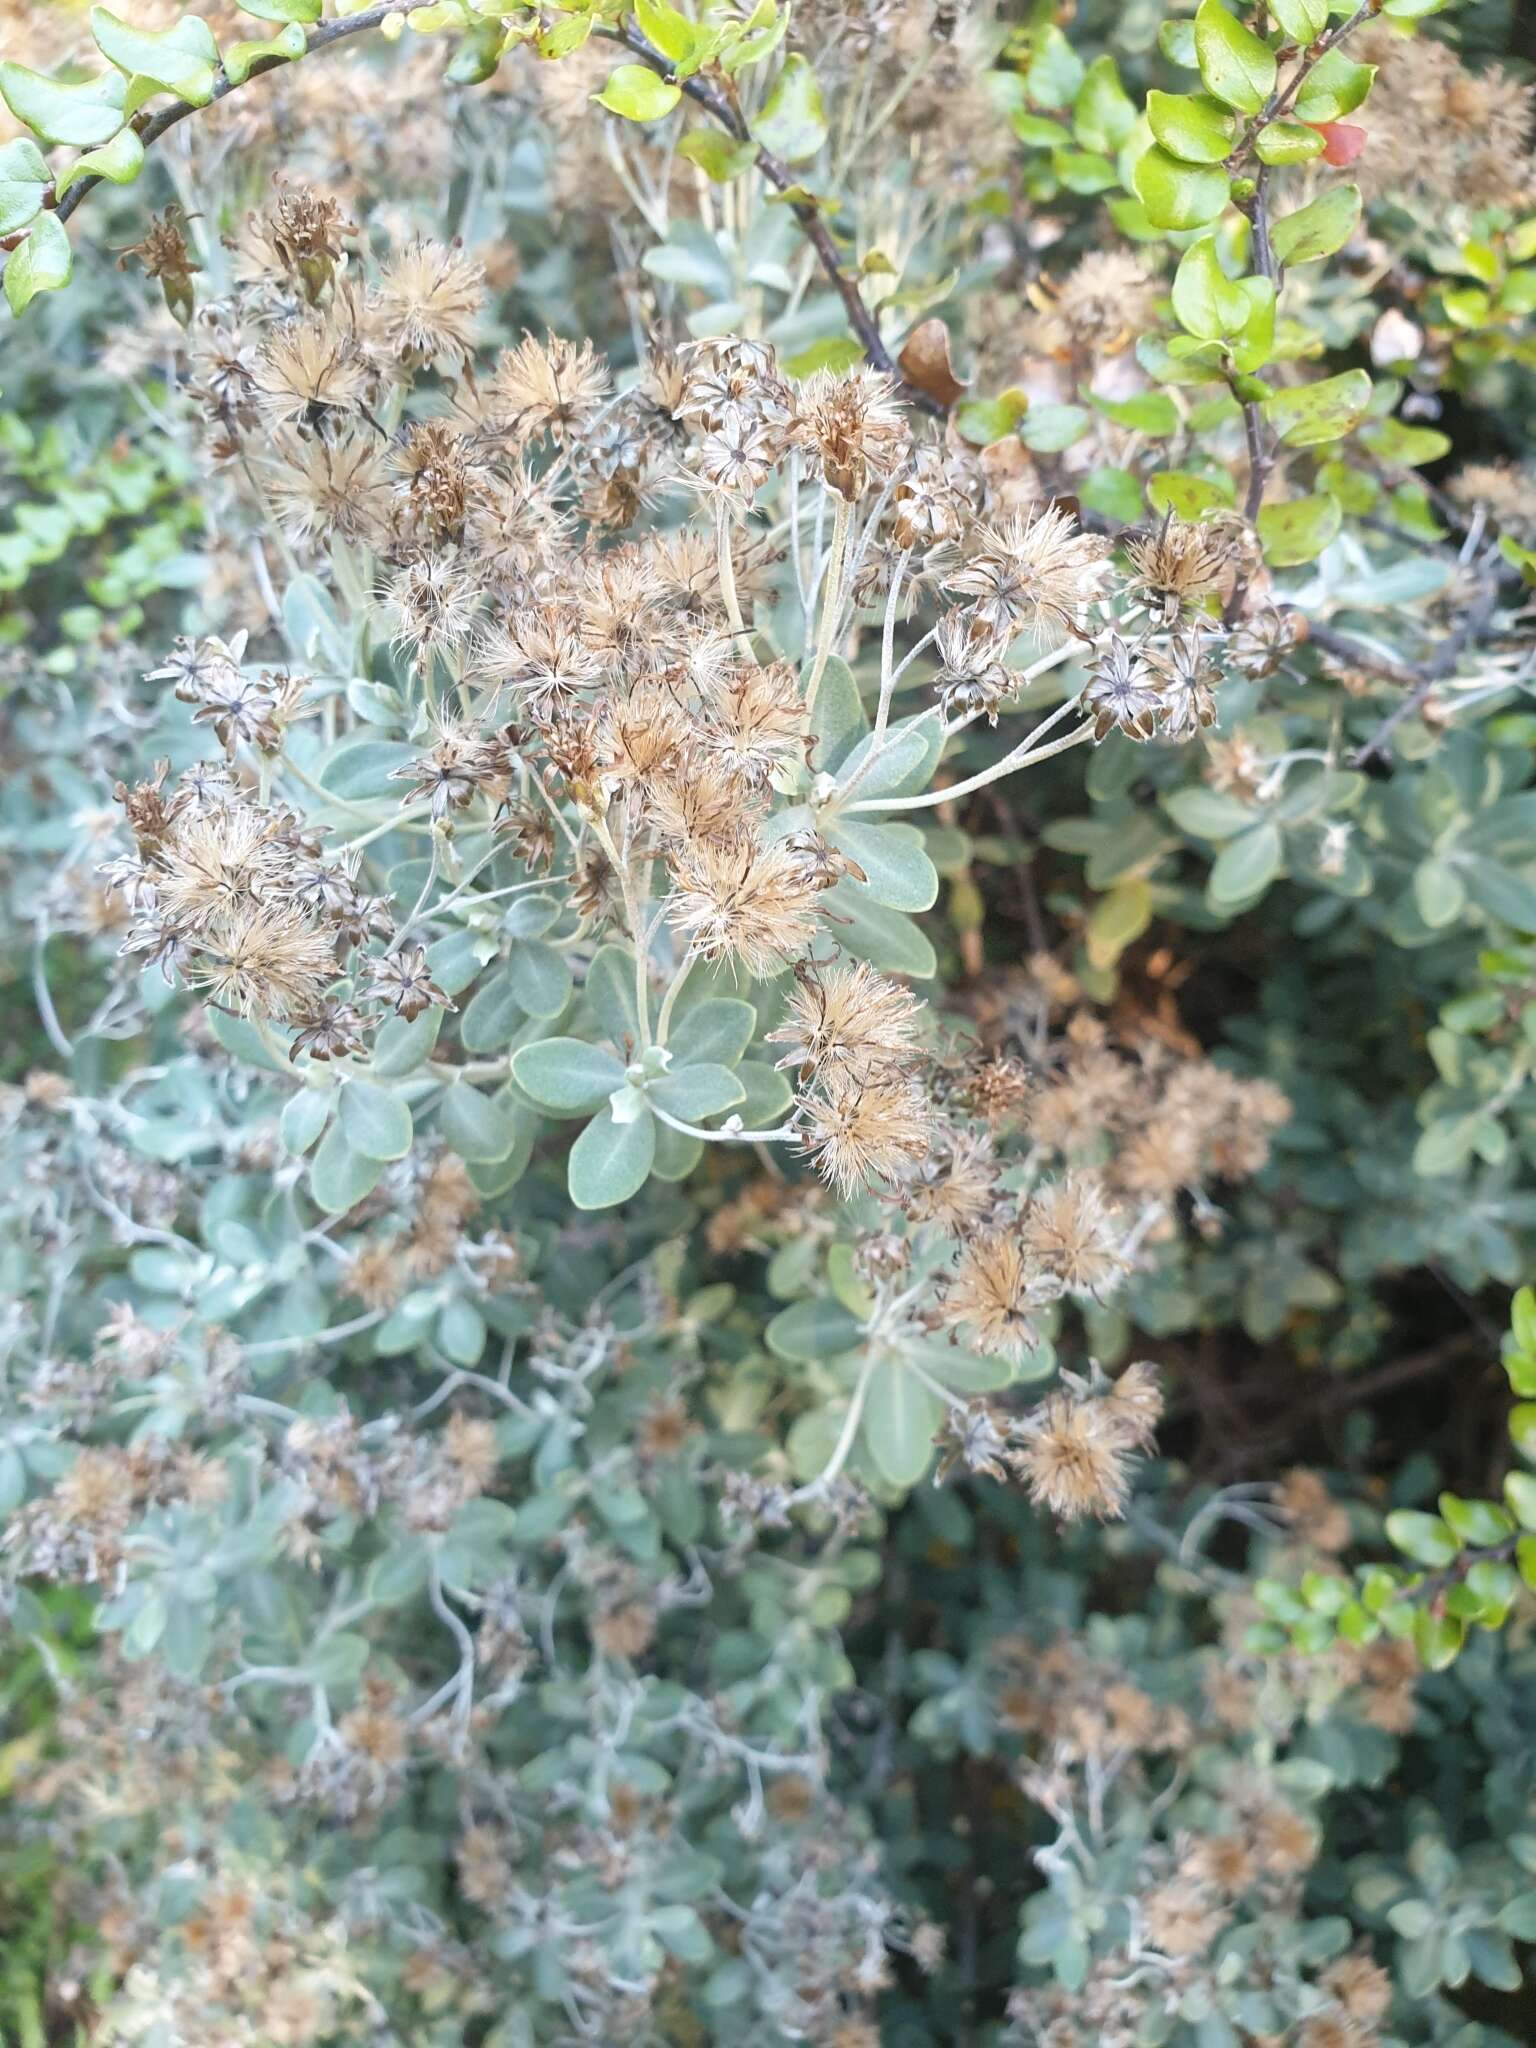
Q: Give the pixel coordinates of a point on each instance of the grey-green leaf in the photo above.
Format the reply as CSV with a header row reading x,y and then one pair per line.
x,y
376,1120
609,1162
567,1075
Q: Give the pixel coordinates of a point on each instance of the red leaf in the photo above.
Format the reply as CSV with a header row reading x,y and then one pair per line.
x,y
1342,143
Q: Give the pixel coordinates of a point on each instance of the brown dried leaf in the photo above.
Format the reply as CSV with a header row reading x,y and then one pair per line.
x,y
924,362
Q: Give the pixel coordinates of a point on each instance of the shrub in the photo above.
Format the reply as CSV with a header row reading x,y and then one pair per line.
x,y
723,960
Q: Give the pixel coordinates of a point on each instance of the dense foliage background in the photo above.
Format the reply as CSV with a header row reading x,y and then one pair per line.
x,y
467,1587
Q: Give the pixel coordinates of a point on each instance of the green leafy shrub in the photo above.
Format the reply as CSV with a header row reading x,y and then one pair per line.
x,y
669,941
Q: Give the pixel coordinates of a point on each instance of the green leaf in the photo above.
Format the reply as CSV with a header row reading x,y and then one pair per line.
x,y
635,92
24,178
340,1175
539,977
1438,1638
1424,1538
838,716
1047,429
1476,1522
698,1091
1438,893
474,1126
304,1117
80,115
377,1122
1149,412
1113,492
1335,87
1056,72
282,10
42,263
1102,113
1298,530
1288,142
887,939
1193,127
1501,892
981,421
1178,195
567,1075
1302,20
1209,813
1309,414
718,1029
793,122
901,1418
1205,300
717,156
118,161
1234,64
672,33
810,1332
1254,346
898,872
1186,495
183,59
1316,230
1176,40
492,1014
1246,866
241,58
768,1095
610,1161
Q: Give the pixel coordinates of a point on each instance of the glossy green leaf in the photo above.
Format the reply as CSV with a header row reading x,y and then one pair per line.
x,y
1234,65
24,178
1102,112
793,122
1178,195
182,59
1335,86
636,93
1192,126
42,263
1298,529
1187,495
1288,142
1424,1538
1318,229
118,161
241,58
82,115
282,10
1308,414
1207,303
716,155
1302,20
668,30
